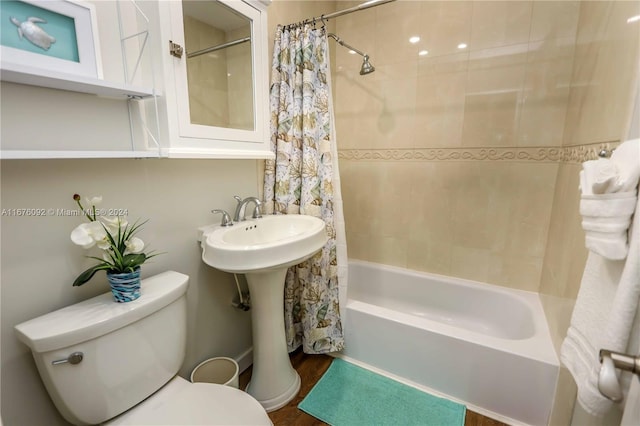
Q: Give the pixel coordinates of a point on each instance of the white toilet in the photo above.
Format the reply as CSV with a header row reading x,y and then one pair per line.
x,y
110,362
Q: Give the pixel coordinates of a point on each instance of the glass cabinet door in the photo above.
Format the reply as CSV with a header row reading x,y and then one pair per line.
x,y
219,65
216,76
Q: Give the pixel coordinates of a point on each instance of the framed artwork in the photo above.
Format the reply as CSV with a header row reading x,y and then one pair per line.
x,y
44,36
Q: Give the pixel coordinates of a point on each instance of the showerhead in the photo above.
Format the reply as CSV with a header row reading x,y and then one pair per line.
x,y
366,67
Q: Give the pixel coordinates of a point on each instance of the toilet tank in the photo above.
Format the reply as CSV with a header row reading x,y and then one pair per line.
x,y
129,350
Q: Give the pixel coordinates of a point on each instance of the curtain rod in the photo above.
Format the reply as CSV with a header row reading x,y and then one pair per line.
x,y
363,6
218,47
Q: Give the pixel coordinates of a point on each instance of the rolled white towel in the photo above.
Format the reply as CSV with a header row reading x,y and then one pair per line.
x,y
615,225
599,177
611,246
585,187
608,205
606,218
626,157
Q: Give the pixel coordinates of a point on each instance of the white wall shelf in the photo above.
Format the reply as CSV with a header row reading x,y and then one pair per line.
x,y
62,81
42,155
112,113
227,154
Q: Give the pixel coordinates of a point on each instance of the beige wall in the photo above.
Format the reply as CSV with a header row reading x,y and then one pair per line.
x,y
457,148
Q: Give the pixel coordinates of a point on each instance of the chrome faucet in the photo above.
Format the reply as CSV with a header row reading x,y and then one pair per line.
x,y
241,207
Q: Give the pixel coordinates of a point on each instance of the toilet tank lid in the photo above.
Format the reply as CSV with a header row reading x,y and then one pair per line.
x,y
100,315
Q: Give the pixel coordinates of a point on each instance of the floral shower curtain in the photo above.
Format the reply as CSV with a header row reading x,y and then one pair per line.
x,y
303,179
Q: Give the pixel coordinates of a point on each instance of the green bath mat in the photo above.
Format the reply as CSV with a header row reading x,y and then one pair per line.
x,y
348,395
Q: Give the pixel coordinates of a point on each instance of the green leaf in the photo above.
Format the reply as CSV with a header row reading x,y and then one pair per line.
x,y
109,236
133,229
130,261
88,274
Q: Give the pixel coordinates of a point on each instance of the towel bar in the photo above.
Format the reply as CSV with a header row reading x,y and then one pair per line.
x,y
605,153
607,380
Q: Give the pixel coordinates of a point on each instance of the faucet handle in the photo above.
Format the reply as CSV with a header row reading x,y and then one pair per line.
x,y
238,198
226,220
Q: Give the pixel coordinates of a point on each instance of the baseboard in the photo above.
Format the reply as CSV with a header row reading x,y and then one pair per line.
x,y
245,359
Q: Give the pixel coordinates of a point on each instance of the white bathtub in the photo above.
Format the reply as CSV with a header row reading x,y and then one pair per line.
x,y
486,346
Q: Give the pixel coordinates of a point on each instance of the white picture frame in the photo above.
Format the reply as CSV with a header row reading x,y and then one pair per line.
x,y
87,64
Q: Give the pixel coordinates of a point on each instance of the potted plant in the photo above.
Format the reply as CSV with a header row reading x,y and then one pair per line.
x,y
122,250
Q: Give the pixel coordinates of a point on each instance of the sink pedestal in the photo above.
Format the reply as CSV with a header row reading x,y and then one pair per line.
x,y
274,382
263,250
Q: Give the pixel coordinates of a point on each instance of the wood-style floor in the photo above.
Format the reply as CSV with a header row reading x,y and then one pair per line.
x,y
311,368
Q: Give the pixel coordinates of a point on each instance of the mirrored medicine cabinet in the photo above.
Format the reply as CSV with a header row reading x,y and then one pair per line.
x,y
217,51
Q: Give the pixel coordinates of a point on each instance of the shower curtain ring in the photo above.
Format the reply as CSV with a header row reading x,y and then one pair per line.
x,y
324,23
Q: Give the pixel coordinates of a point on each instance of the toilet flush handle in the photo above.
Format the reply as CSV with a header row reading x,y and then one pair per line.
x,y
74,358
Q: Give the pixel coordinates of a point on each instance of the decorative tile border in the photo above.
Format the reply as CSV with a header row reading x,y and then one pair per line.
x,y
551,154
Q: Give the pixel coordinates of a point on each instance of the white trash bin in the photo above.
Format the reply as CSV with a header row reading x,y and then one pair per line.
x,y
219,370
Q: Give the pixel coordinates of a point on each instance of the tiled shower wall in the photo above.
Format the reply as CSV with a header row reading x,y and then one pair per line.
x,y
449,159
604,87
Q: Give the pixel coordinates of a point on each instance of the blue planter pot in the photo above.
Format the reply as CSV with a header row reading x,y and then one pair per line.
x,y
125,286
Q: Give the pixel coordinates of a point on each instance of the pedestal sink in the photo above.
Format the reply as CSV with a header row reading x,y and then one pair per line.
x,y
263,249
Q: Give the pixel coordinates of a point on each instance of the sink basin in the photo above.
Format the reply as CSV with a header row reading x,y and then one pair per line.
x,y
263,249
272,242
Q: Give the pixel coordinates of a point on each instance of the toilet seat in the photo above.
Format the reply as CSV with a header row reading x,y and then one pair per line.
x,y
180,402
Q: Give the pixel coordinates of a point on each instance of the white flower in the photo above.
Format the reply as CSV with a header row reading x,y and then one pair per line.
x,y
94,201
134,245
104,244
114,224
88,234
